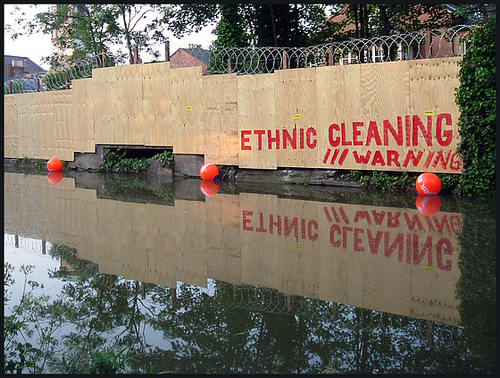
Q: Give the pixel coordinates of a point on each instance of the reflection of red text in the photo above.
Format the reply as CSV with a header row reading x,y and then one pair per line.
x,y
406,246
442,223
352,234
278,224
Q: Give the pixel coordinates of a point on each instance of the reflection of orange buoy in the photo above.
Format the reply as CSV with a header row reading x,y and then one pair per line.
x,y
209,171
209,188
55,177
55,165
428,205
428,183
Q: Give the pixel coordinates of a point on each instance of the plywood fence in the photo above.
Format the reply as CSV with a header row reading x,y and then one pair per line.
x,y
388,259
397,116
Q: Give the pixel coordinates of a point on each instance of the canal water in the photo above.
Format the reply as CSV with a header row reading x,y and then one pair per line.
x,y
152,275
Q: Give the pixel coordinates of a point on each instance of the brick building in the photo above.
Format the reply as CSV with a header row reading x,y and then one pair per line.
x,y
19,66
190,57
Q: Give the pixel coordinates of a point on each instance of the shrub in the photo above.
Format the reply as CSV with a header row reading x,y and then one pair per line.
x,y
476,98
165,158
118,162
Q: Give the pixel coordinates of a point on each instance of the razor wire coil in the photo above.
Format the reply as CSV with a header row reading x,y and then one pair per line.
x,y
422,44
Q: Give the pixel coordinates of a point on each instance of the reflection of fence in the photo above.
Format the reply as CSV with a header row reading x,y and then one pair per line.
x,y
26,244
423,44
381,324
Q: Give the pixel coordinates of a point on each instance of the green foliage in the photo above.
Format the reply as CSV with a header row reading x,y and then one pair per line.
x,y
18,355
398,181
476,287
230,30
476,98
36,314
90,28
165,158
259,24
94,361
118,162
386,181
371,20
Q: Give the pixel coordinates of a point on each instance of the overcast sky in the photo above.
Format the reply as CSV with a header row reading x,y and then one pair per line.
x,y
37,46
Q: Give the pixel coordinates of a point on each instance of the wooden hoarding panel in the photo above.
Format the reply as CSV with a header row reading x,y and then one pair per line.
x,y
338,100
43,131
25,117
220,118
295,134
373,135
83,122
11,137
256,112
127,92
106,107
157,108
434,113
186,95
63,116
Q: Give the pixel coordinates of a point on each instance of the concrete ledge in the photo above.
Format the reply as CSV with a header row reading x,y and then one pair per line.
x,y
295,176
188,165
88,161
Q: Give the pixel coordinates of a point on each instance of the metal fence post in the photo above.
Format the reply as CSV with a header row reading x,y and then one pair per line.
x,y
68,80
136,54
331,60
11,89
230,65
37,82
167,51
285,60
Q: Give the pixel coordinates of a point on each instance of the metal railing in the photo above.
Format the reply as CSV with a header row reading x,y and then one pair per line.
x,y
423,44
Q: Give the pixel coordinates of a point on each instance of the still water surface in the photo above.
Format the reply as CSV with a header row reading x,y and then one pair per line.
x,y
252,278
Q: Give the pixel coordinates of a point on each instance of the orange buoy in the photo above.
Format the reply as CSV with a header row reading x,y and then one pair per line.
x,y
428,205
55,177
209,188
428,184
209,171
55,165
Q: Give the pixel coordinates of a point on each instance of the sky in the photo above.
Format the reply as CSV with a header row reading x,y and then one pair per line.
x,y
39,45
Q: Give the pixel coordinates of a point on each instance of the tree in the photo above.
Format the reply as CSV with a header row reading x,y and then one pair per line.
x,y
90,28
231,28
267,24
371,20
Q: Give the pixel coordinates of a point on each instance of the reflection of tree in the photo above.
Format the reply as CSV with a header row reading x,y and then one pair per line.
x,y
476,287
248,329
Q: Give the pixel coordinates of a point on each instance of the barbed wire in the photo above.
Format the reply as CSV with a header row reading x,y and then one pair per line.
x,y
422,44
61,78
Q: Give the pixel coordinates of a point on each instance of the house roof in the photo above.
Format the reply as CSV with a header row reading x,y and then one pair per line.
x,y
201,54
29,66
